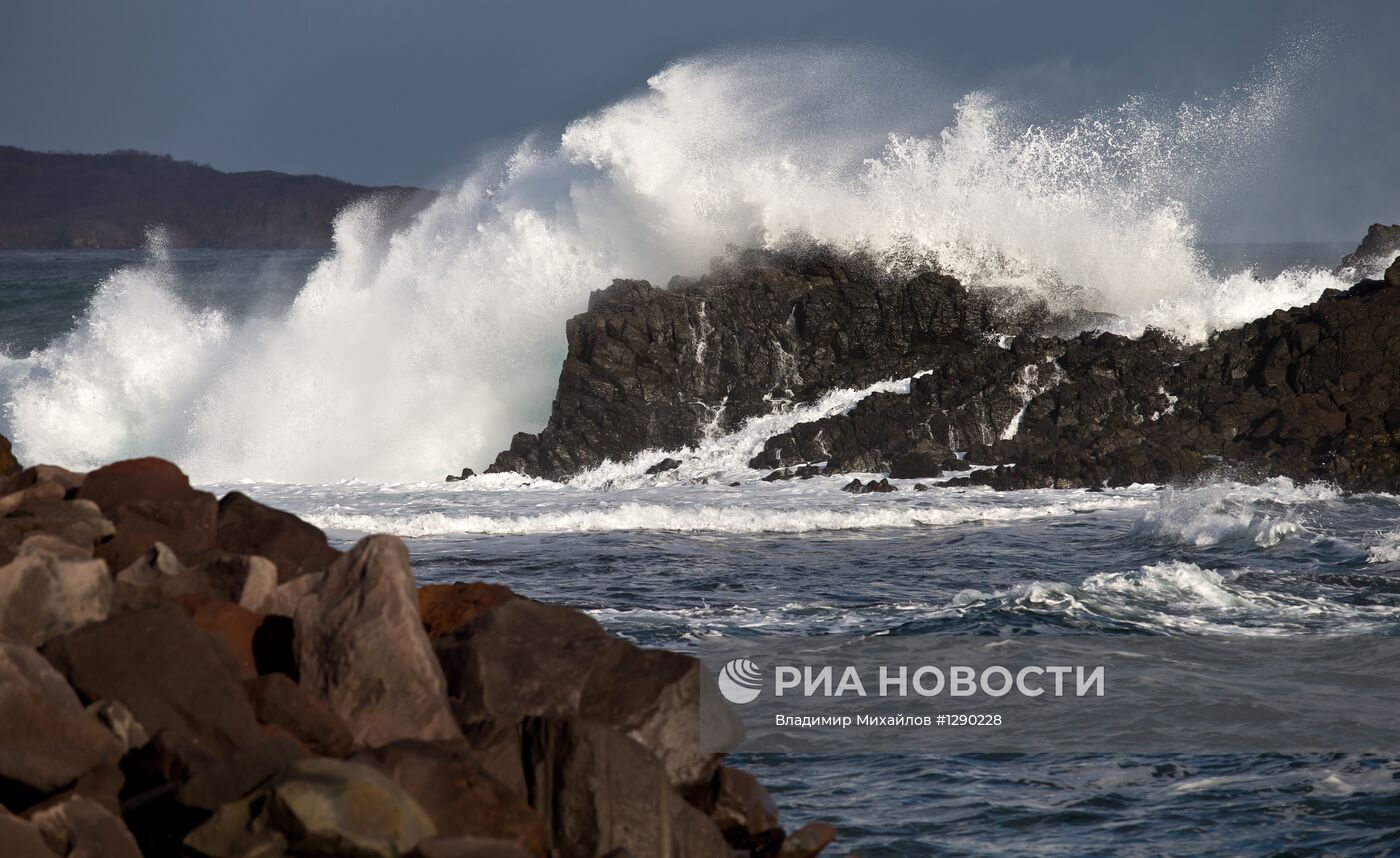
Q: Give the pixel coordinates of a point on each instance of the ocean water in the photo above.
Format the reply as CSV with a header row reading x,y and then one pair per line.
x,y
344,386
671,559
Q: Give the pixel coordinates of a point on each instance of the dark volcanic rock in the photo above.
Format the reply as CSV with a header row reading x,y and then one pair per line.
x,y
1307,393
1382,243
663,466
856,487
650,367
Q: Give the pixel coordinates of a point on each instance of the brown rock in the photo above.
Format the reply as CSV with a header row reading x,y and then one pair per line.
x,y
41,509
234,625
457,793
445,607
170,674
150,500
8,463
279,701
526,659
82,828
47,741
320,807
35,474
42,594
248,527
744,811
22,839
467,847
361,647
521,659
597,791
1392,274
285,597
159,576
807,841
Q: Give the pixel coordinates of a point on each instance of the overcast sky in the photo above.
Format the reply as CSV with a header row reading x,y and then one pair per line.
x,y
409,91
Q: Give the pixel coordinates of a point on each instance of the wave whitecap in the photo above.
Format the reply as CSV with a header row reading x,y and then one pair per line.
x,y
410,351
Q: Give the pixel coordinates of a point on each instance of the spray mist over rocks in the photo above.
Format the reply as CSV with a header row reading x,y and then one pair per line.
x,y
411,350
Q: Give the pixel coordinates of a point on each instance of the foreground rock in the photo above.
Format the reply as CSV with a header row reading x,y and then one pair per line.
x,y
240,689
1309,392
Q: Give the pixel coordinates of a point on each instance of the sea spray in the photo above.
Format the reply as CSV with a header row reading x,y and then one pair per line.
x,y
412,351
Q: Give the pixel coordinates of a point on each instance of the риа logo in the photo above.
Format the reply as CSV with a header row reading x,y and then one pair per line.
x,y
741,681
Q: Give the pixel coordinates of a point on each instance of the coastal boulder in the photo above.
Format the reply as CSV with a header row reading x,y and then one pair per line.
x,y
295,547
150,500
807,841
172,676
180,684
280,702
597,791
445,607
47,740
22,839
524,659
457,793
319,807
80,827
744,811
362,648
43,593
41,511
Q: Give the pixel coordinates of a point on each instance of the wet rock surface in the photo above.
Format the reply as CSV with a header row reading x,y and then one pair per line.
x,y
650,367
1308,392
192,705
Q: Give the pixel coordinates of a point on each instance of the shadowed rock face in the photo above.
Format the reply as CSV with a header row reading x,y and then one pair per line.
x,y
1380,244
654,368
1310,392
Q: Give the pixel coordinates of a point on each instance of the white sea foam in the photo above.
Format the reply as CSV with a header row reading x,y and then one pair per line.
x,y
1206,515
1387,550
411,353
1186,597
697,517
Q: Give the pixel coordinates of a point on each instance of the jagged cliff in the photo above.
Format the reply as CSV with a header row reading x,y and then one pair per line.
x,y
1310,392
62,200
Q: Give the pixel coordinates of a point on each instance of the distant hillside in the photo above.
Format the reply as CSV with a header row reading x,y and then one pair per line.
x,y
57,200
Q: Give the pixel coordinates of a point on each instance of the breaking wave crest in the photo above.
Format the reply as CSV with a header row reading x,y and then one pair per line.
x,y
1184,597
701,518
1266,513
411,351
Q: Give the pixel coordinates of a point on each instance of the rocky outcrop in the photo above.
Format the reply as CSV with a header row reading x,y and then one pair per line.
x,y
1307,392
194,706
1382,243
656,368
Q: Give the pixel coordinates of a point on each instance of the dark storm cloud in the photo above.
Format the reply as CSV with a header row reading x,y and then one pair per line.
x,y
382,92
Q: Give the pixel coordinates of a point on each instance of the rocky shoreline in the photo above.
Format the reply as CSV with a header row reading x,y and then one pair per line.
x,y
996,381
183,675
